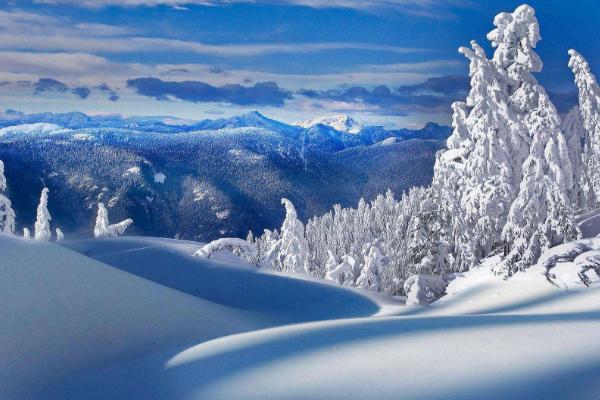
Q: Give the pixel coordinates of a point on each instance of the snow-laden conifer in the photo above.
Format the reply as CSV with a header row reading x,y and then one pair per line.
x,y
343,274
59,235
589,107
7,214
293,249
43,218
373,266
547,184
578,143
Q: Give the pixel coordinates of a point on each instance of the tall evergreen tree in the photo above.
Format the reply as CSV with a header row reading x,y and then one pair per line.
x,y
589,106
293,249
578,143
547,183
42,222
7,214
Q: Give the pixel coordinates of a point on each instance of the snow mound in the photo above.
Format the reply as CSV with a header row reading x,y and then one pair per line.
x,y
342,123
277,298
65,314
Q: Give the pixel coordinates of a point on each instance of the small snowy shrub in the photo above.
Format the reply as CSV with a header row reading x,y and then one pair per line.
x,y
423,289
239,247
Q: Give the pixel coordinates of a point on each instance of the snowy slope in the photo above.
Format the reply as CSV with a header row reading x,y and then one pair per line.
x,y
63,312
427,353
479,341
276,298
133,318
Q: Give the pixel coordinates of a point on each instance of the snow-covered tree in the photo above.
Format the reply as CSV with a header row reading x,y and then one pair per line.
x,y
373,266
104,229
26,233
578,141
7,214
422,289
428,237
343,274
59,235
589,107
547,184
293,249
43,218
331,262
267,247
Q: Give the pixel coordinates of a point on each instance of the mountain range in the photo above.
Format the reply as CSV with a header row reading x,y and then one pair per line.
x,y
206,179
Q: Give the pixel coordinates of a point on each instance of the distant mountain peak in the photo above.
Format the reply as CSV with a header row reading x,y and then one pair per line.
x,y
340,122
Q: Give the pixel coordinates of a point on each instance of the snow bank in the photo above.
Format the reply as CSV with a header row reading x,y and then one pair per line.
x,y
276,298
64,313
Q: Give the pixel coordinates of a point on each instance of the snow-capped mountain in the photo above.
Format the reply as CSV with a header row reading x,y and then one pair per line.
x,y
343,123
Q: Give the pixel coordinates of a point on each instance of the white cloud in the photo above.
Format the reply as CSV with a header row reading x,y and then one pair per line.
x,y
28,31
353,4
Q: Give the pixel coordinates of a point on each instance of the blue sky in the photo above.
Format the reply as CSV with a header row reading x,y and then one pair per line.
x,y
389,62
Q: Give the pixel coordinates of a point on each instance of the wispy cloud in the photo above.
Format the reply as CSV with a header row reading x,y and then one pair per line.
x,y
29,31
426,8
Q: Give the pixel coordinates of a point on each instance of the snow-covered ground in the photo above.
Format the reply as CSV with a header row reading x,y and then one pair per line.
x,y
141,318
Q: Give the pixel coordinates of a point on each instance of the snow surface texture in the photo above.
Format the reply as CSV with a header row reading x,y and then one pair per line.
x,y
134,317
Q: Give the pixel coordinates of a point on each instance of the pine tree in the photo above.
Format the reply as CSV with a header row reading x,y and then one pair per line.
x,y
293,249
42,223
331,262
578,143
589,106
369,277
547,184
474,178
7,214
343,274
59,235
